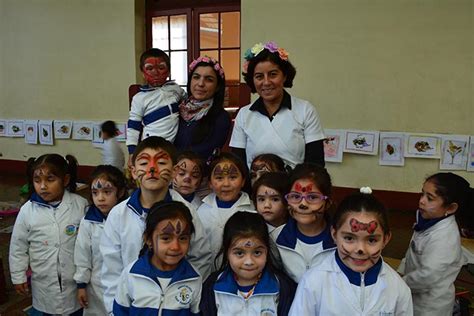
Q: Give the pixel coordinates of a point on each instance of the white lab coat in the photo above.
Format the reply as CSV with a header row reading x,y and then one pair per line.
x,y
214,218
326,290
431,265
112,154
122,241
43,238
88,260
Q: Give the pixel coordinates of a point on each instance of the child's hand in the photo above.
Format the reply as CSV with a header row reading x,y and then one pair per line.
x,y
22,289
82,298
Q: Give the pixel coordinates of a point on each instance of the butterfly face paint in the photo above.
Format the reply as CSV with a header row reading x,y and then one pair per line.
x,y
270,205
257,169
47,185
302,211
187,177
104,195
226,181
170,243
360,240
247,258
155,71
153,169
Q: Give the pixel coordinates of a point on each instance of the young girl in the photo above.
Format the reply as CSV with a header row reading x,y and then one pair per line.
x,y
112,154
189,172
248,282
306,234
265,163
44,235
108,187
354,280
268,196
434,258
161,281
226,181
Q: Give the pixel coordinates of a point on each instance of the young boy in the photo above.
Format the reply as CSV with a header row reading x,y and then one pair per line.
x,y
112,154
153,162
154,110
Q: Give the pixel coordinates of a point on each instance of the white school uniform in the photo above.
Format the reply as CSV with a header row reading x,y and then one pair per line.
x,y
431,264
122,241
140,293
155,112
43,238
214,218
286,135
88,260
297,256
331,288
112,154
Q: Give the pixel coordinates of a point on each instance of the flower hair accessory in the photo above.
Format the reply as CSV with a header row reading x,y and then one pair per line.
x,y
271,46
366,190
208,60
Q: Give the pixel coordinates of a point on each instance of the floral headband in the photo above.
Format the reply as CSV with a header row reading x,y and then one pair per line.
x,y
209,60
271,46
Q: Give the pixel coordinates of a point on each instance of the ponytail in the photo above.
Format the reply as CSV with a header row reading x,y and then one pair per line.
x,y
72,171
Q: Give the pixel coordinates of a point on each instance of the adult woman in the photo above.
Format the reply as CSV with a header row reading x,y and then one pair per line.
x,y
277,122
203,123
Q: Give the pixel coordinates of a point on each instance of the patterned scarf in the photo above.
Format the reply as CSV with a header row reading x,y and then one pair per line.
x,y
194,110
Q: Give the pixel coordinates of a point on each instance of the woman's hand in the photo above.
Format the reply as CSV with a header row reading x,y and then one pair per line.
x,y
82,298
22,289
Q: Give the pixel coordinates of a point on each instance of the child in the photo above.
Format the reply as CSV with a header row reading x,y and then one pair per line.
x,y
226,181
108,187
154,110
268,196
434,258
265,163
161,281
189,172
306,234
153,162
44,235
112,154
354,280
248,282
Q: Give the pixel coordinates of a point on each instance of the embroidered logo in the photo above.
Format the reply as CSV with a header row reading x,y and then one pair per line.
x,y
70,230
267,312
184,294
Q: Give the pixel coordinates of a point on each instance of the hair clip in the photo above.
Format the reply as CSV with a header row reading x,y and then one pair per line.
x,y
365,190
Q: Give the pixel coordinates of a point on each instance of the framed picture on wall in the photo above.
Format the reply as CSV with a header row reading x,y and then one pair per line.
x,y
122,132
15,128
97,140
391,149
362,142
3,127
82,130
31,132
334,145
62,129
470,158
423,146
454,152
45,130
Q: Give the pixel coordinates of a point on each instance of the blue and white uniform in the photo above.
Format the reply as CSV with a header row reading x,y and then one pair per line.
x,y
154,112
331,288
299,252
431,265
88,260
43,238
123,239
141,293
215,213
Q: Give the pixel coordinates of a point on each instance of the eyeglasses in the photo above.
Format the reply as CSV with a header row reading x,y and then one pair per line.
x,y
311,198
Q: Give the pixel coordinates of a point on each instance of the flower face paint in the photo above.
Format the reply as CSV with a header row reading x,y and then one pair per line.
x,y
360,247
303,212
270,205
187,177
226,181
153,169
155,71
431,205
170,243
104,195
257,169
247,258
47,185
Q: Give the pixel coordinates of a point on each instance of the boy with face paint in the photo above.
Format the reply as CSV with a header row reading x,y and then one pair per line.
x,y
154,110
153,162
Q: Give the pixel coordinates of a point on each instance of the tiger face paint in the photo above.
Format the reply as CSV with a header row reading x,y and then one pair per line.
x,y
153,169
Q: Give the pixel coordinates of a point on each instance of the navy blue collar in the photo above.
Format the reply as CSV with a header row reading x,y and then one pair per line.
x,y
225,204
189,197
136,206
35,198
95,215
147,87
268,284
259,106
143,266
423,224
370,276
290,233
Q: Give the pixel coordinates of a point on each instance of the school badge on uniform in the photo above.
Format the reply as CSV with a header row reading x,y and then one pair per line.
x,y
70,230
184,294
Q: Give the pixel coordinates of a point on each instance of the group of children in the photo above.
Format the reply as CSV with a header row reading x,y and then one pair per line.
x,y
284,249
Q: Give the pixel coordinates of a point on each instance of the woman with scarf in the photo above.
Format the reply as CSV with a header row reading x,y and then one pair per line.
x,y
203,123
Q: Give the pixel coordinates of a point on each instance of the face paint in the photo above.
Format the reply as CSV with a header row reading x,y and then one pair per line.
x,y
369,227
40,172
155,71
304,189
178,230
101,184
149,164
222,170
